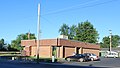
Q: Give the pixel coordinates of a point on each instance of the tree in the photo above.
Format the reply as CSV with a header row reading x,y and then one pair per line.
x,y
68,31
10,48
106,41
72,32
15,44
64,30
86,33
1,44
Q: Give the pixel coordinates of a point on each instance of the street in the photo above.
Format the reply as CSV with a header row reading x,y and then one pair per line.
x,y
104,63
40,65
18,64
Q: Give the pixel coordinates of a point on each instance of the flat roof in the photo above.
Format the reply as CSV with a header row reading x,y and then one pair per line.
x,y
60,42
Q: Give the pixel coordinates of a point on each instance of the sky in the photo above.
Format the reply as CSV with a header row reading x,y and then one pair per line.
x,y
20,16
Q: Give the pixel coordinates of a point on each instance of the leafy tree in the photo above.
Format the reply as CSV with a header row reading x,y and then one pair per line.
x,y
72,32
15,44
1,43
64,30
10,48
106,41
3,46
68,31
86,32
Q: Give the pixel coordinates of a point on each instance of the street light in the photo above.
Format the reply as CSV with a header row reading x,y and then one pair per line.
x,y
110,39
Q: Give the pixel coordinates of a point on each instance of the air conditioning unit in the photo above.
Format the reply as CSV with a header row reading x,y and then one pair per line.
x,y
63,37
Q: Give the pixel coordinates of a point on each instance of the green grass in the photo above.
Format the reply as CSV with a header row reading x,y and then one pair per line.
x,y
41,59
6,53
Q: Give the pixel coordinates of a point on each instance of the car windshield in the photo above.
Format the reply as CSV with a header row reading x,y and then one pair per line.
x,y
93,54
79,55
111,54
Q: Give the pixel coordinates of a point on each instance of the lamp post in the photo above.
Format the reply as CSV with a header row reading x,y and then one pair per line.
x,y
110,39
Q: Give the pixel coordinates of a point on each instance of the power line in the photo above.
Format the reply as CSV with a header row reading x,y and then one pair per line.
x,y
48,21
69,8
99,4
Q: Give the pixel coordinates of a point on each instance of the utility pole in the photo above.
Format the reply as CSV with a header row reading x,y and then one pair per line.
x,y
38,34
110,39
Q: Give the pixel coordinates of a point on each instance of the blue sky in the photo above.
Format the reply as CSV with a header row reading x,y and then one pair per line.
x,y
20,16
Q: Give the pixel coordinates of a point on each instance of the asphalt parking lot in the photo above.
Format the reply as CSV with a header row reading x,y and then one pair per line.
x,y
104,62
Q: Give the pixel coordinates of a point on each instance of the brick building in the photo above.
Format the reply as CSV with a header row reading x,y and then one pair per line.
x,y
60,48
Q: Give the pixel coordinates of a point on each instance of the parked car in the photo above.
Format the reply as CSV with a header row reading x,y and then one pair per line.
x,y
77,57
111,54
92,56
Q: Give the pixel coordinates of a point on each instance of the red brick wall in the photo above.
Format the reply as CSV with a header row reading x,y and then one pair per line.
x,y
28,42
69,51
49,42
46,47
60,42
78,44
45,51
91,51
61,52
33,50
